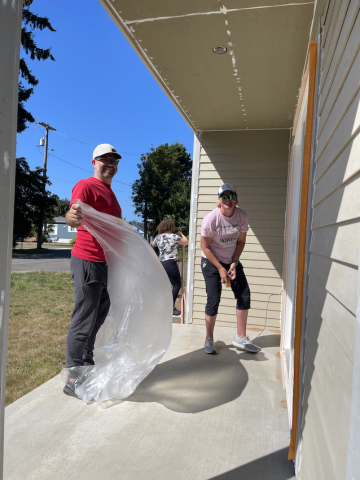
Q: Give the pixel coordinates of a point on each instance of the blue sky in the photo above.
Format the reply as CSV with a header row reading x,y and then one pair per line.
x,y
97,91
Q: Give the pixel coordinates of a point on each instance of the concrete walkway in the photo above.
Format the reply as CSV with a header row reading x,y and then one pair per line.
x,y
196,417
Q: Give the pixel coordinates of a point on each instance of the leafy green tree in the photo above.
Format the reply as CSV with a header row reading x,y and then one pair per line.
x,y
62,205
30,201
168,188
31,21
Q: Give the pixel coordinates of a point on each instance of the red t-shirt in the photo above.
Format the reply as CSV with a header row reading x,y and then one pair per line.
x,y
98,195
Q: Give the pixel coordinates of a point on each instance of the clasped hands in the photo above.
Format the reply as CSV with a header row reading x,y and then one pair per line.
x,y
230,273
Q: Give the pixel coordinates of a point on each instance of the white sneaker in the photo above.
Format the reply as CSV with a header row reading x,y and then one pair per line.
x,y
244,344
210,346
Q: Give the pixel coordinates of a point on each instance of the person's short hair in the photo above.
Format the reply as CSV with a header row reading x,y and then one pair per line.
x,y
166,225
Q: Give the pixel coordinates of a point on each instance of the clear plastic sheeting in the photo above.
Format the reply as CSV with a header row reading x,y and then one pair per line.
x,y
137,331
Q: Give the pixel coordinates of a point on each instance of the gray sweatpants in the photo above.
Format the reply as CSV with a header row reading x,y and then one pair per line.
x,y
91,306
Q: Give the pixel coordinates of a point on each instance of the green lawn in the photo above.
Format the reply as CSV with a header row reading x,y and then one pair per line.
x,y
41,305
40,310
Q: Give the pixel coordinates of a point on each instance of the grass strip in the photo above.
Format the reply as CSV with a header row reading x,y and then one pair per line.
x,y
41,305
40,310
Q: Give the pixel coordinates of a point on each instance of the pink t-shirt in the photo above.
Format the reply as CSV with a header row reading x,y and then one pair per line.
x,y
224,231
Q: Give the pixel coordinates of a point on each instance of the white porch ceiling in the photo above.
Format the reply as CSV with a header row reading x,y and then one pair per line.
x,y
253,85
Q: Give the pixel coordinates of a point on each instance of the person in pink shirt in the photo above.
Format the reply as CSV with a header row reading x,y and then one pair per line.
x,y
223,237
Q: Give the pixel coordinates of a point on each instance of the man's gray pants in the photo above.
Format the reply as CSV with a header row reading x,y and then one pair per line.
x,y
91,306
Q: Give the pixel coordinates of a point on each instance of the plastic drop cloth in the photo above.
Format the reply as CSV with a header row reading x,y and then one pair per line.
x,y
137,331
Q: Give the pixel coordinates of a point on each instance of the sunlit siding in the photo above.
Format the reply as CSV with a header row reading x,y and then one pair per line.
x,y
334,251
256,163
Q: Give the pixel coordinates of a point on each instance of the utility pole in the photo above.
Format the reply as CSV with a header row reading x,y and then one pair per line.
x,y
41,220
145,212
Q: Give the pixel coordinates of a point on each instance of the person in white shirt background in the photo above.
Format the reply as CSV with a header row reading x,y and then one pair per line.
x,y
168,243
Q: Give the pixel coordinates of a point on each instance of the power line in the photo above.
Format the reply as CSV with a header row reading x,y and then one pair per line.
x,y
88,171
75,140
84,143
52,155
70,181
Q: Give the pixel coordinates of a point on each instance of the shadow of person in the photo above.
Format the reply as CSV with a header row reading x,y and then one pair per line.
x,y
195,382
49,255
274,466
247,356
267,341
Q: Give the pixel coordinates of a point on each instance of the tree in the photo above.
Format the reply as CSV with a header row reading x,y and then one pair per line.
x,y
168,188
31,21
30,201
62,205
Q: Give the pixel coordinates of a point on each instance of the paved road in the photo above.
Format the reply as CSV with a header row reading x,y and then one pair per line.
x,y
57,260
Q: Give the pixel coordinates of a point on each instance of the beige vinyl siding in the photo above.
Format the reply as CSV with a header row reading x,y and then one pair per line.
x,y
256,163
334,251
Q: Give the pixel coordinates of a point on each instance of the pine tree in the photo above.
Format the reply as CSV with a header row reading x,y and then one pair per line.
x,y
32,204
31,21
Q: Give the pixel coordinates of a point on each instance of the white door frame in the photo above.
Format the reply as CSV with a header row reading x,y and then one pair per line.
x,y
192,228
292,251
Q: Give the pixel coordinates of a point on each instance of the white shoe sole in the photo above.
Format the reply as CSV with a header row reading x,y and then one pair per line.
x,y
243,347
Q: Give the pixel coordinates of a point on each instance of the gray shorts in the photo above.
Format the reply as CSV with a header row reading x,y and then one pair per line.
x,y
239,286
91,306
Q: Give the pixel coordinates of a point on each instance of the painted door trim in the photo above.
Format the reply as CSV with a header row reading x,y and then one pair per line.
x,y
192,228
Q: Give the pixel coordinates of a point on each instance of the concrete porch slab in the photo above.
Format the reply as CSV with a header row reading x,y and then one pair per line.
x,y
196,417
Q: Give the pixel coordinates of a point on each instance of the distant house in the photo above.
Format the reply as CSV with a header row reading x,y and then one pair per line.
x,y
137,224
139,227
60,231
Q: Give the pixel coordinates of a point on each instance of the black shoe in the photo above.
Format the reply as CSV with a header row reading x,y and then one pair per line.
x,y
88,361
70,388
176,312
88,358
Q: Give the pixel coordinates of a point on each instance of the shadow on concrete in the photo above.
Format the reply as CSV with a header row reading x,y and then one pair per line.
x,y
267,341
274,466
50,255
196,382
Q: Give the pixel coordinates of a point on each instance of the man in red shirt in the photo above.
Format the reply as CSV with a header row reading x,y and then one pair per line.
x,y
88,263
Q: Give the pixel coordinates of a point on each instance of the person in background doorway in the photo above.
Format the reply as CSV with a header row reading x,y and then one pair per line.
x,y
168,242
223,237
88,264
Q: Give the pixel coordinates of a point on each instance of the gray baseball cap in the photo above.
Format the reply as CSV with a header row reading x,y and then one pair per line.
x,y
105,148
227,187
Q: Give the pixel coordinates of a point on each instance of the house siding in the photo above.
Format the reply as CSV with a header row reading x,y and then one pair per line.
x,y
256,163
61,231
334,252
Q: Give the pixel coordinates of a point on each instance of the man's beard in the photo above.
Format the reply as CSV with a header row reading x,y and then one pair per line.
x,y
103,172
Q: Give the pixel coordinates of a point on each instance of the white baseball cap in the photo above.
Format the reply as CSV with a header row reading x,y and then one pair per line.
x,y
227,187
105,148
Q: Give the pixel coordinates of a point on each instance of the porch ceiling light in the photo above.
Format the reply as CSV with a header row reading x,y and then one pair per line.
x,y
219,50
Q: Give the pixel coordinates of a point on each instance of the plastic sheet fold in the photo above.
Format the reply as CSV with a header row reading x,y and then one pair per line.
x,y
137,331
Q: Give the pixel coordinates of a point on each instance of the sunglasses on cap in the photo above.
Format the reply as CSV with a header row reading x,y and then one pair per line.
x,y
225,196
